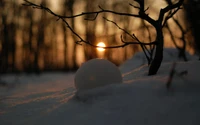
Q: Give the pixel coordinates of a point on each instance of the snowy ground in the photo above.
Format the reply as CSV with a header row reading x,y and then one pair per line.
x,y
49,99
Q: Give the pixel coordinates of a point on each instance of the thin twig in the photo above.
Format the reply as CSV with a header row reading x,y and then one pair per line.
x,y
170,15
134,6
144,48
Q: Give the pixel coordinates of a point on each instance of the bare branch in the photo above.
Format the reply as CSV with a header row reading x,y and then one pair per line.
x,y
81,40
125,43
134,6
170,15
138,7
152,47
157,24
142,12
171,35
96,13
146,9
141,3
131,42
168,8
144,48
132,36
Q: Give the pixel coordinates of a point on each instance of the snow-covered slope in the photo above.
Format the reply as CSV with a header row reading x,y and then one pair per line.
x,y
50,99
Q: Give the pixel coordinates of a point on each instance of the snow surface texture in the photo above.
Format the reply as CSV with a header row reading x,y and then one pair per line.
x,y
141,100
96,73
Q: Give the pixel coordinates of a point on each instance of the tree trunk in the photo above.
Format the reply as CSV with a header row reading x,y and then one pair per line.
x,y
155,64
4,51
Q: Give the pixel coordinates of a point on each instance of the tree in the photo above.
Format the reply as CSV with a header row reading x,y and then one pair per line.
x,y
192,10
182,48
164,15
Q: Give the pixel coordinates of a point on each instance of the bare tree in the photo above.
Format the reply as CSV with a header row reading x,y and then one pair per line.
x,y
163,16
192,11
182,48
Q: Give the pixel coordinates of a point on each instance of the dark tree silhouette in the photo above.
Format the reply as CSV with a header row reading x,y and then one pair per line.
x,y
182,49
192,11
164,15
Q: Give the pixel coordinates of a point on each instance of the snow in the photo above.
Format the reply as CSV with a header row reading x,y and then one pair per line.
x,y
96,73
139,59
50,99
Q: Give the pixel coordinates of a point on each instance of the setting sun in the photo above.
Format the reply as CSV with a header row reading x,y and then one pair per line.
x,y
101,44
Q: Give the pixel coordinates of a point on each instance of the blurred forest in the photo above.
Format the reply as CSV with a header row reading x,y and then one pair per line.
x,y
32,40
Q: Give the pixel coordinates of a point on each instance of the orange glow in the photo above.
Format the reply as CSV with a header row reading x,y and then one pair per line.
x,y
101,44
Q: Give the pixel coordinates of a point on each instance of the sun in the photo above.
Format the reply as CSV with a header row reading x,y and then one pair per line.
x,y
101,44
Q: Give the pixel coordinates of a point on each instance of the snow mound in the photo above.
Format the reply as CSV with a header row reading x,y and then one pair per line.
x,y
96,73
